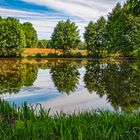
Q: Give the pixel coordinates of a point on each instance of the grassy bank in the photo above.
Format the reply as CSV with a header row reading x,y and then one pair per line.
x,y
24,124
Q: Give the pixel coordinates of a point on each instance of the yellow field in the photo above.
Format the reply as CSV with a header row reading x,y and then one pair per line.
x,y
44,51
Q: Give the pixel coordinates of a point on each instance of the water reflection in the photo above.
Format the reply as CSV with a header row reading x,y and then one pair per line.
x,y
116,83
14,74
120,82
65,76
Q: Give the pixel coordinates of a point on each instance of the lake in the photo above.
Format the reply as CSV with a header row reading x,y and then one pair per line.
x,y
71,85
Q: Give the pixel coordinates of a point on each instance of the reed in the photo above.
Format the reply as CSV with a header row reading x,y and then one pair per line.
x,y
25,124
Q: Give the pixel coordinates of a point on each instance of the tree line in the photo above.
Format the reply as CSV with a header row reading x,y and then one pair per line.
x,y
118,35
14,36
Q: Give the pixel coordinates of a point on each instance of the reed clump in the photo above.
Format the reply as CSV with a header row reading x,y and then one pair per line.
x,y
25,124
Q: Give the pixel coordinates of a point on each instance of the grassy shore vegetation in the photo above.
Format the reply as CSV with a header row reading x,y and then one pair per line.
x,y
23,124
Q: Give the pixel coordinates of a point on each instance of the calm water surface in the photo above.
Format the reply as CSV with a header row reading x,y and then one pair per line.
x,y
68,85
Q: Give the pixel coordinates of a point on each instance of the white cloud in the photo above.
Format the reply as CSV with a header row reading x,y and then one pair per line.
x,y
79,11
43,23
85,9
15,13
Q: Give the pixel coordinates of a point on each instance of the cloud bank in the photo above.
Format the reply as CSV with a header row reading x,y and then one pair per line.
x,y
85,9
79,11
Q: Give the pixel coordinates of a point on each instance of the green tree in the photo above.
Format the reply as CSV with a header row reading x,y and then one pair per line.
x,y
30,34
95,37
12,37
113,29
123,29
65,36
82,46
101,41
90,36
43,43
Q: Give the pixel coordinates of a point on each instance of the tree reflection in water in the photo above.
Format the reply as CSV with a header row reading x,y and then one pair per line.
x,y
65,76
119,82
14,74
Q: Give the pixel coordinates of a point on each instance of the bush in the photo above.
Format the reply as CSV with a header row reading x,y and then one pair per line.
x,y
78,55
52,55
38,55
12,37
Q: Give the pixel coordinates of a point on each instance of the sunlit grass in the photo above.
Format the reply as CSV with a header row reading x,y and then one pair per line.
x,y
46,51
23,124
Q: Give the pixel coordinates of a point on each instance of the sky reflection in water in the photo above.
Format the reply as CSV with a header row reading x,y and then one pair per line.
x,y
71,85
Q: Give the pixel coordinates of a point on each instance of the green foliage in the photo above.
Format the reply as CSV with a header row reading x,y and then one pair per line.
x,y
30,34
95,37
136,8
12,37
53,55
119,35
43,43
90,36
114,29
123,29
65,36
82,46
0,18
26,124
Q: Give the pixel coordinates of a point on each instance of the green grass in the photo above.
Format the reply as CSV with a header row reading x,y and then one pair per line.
x,y
23,124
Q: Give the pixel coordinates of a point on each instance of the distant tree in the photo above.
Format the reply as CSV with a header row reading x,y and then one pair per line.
x,y
43,43
65,36
30,34
12,37
82,45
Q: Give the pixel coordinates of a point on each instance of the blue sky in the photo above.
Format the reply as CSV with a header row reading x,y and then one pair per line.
x,y
44,14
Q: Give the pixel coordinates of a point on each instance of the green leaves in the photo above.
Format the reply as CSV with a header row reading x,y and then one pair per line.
x,y
95,36
119,35
43,43
30,34
65,36
12,37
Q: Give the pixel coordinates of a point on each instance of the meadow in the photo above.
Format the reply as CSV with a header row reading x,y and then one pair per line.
x,y
46,52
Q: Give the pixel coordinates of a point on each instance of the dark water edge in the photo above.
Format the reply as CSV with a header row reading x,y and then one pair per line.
x,y
69,57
